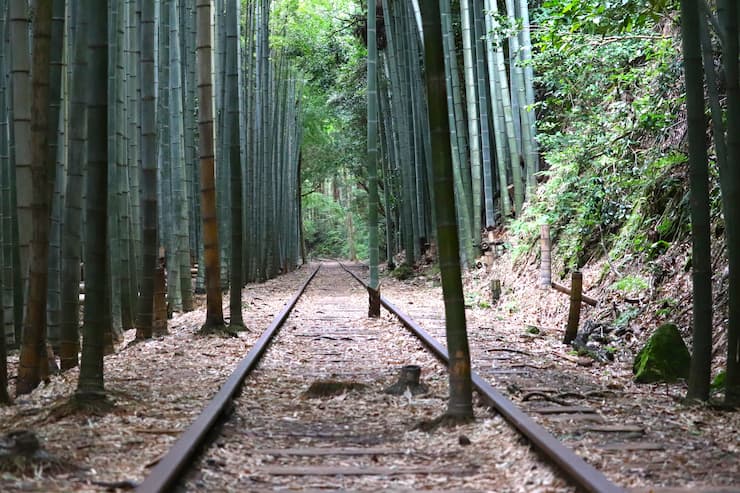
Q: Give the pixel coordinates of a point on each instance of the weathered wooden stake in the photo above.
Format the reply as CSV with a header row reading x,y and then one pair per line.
x,y
489,259
576,286
495,290
373,310
545,263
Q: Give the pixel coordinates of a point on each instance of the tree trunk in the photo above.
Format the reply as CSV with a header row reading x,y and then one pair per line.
x,y
234,156
33,365
148,151
460,404
90,386
214,310
699,200
372,153
471,90
20,59
77,155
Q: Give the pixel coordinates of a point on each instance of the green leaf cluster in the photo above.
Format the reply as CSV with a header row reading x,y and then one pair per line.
x,y
609,86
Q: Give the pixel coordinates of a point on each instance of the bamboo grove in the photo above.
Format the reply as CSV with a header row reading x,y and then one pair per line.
x,y
492,120
137,134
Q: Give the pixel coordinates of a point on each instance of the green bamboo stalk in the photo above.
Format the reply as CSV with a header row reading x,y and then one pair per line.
x,y
121,288
729,22
20,74
5,330
7,205
463,200
471,91
483,106
502,91
701,264
460,404
525,55
521,115
177,153
400,107
214,314
72,221
90,386
33,366
57,165
233,133
372,155
150,245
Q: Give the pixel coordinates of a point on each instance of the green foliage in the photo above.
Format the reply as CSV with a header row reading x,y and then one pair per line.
x,y
626,316
631,284
599,17
317,35
609,88
667,306
323,225
718,382
475,299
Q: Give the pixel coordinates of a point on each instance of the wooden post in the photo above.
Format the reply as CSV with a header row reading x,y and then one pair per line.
x,y
495,291
373,310
489,259
545,263
576,286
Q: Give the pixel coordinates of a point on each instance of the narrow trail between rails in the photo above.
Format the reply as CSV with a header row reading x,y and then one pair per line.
x,y
313,416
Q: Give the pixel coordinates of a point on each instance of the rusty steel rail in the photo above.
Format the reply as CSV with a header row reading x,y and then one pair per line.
x,y
164,475
579,471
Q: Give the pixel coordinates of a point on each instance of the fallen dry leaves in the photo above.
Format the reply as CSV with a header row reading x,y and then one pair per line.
x,y
640,436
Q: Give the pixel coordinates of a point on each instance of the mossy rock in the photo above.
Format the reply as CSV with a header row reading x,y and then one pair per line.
x,y
665,357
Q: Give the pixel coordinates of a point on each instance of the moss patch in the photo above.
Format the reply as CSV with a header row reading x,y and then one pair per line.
x,y
665,357
718,383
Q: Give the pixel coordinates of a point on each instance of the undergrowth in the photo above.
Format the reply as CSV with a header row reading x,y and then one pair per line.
x,y
611,134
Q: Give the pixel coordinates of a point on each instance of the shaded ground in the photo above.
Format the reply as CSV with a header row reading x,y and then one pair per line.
x,y
290,433
640,436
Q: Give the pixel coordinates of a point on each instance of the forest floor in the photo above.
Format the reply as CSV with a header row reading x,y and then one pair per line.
x,y
644,437
641,436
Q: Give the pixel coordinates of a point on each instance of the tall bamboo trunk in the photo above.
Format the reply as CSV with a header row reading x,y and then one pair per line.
x,y
372,156
214,310
33,365
233,132
97,318
460,404
148,149
77,155
471,91
699,184
20,71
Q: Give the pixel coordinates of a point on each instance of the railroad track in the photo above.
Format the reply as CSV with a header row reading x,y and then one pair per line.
x,y
313,415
